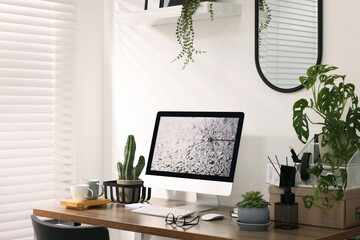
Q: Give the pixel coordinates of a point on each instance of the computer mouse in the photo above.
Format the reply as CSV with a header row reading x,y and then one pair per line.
x,y
212,216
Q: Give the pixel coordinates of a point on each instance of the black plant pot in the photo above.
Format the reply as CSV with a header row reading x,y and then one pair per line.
x,y
125,193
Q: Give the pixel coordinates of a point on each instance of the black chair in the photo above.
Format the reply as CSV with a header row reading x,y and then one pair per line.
x,y
49,231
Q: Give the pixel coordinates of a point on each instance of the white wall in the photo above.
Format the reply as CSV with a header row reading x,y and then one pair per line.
x,y
89,89
224,79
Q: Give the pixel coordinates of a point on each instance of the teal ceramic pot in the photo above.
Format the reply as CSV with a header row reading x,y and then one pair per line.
x,y
253,215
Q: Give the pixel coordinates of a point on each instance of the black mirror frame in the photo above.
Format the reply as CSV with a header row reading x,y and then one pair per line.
x,y
257,63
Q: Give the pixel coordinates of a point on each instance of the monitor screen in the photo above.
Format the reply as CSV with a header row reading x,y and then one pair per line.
x,y
197,145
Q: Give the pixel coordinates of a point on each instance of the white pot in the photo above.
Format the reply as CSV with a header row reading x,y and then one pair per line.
x,y
327,149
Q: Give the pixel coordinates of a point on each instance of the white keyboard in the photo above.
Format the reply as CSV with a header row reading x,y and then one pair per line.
x,y
163,211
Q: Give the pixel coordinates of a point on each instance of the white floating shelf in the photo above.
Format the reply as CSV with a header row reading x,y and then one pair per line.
x,y
171,14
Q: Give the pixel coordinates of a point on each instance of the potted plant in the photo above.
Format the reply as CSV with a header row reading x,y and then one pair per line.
x,y
185,30
253,208
128,174
336,105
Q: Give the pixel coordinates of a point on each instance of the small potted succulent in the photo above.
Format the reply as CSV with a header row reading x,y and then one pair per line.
x,y
253,208
128,174
336,106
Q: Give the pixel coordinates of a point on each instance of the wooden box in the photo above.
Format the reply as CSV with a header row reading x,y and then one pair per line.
x,y
344,214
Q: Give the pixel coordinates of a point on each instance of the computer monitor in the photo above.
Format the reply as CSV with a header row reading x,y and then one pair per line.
x,y
195,152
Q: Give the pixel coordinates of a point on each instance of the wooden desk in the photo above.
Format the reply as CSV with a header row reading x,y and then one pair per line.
x,y
118,217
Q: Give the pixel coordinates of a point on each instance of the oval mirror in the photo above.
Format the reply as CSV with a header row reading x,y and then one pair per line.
x,y
288,40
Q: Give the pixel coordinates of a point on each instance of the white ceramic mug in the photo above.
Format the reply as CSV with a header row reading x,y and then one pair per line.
x,y
79,192
95,186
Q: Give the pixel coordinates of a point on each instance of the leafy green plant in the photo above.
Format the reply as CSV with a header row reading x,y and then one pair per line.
x,y
264,7
336,103
253,199
126,170
185,31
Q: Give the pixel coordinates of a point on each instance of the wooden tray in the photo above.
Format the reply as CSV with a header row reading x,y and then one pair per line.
x,y
100,202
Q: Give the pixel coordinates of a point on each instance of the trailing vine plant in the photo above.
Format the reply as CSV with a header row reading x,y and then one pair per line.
x,y
185,31
336,103
264,7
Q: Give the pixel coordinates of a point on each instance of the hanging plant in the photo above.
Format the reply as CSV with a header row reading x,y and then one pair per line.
x,y
185,31
264,20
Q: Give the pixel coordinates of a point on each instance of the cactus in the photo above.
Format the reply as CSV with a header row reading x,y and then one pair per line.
x,y
126,170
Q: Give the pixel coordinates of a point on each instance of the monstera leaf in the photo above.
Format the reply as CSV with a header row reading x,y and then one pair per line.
x,y
329,80
323,103
319,69
312,74
300,122
353,122
307,82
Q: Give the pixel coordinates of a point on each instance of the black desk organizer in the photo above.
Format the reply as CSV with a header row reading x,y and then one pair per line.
x,y
113,188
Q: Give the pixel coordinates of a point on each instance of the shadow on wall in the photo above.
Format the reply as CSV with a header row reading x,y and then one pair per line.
x,y
250,171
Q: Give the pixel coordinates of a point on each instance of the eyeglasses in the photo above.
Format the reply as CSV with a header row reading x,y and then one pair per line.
x,y
180,220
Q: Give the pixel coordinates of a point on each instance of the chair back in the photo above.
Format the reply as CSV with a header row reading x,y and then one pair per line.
x,y
49,231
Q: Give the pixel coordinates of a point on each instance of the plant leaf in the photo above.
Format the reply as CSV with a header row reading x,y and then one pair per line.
x,y
316,170
300,122
329,80
312,74
353,122
343,176
320,69
252,199
323,100
308,201
307,82
339,194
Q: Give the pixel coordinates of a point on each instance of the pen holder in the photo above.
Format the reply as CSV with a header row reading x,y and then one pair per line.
x,y
287,176
286,211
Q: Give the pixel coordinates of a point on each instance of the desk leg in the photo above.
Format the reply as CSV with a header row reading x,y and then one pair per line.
x,y
141,236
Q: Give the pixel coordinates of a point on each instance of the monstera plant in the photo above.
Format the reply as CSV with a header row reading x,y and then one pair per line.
x,y
336,105
185,30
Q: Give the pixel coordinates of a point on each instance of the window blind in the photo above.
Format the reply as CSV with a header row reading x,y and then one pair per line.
x,y
37,148
290,42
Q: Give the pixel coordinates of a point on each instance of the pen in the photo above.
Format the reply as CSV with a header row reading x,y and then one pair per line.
x,y
274,167
277,160
293,155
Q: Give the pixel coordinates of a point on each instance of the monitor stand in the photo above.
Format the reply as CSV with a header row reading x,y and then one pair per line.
x,y
204,202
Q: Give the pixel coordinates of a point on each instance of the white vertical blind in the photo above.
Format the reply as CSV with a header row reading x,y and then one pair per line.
x,y
289,45
37,58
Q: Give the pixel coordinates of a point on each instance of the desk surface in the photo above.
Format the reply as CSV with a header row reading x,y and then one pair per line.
x,y
118,217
